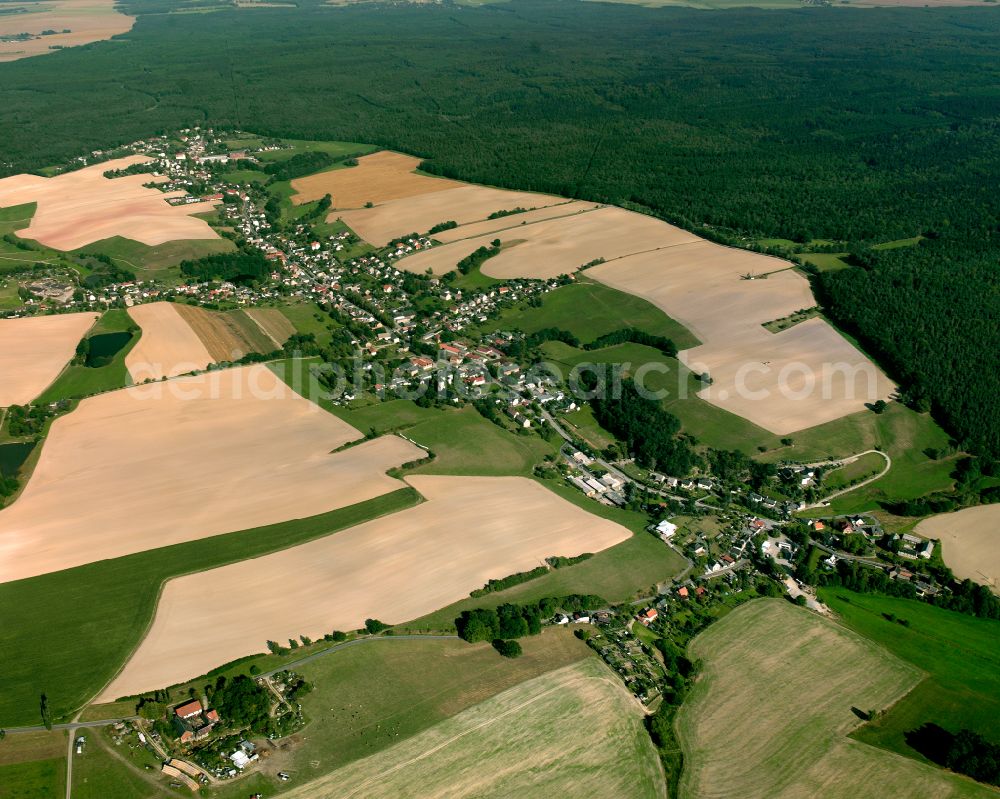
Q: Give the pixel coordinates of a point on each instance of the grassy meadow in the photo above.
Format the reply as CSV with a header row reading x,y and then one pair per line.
x,y
588,310
574,731
779,692
960,655
156,262
76,627
33,765
465,443
368,698
99,774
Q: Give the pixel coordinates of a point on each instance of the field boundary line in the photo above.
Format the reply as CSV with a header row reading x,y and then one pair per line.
x,y
163,583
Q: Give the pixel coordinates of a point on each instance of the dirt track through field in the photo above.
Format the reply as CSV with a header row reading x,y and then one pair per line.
x,y
154,465
80,207
34,350
396,568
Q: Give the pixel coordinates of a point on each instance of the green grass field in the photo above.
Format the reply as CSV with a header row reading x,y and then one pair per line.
x,y
156,262
76,627
959,653
296,146
33,765
81,381
308,318
863,467
582,423
245,176
369,697
826,261
588,310
463,442
33,779
98,774
9,298
772,709
467,444
572,732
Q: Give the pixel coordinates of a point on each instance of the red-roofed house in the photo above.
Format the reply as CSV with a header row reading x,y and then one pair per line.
x,y
648,616
188,709
682,592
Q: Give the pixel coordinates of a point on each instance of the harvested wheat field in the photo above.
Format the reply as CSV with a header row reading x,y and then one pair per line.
x,y
377,178
803,376
34,350
553,247
515,221
81,207
771,710
418,214
227,336
154,465
168,346
575,731
970,541
399,567
86,20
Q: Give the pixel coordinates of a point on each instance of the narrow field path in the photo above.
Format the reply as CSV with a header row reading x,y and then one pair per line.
x,y
843,462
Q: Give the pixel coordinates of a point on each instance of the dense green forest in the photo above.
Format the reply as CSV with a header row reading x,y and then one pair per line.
x,y
855,125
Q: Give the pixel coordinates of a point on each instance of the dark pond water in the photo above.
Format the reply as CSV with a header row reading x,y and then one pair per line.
x,y
105,346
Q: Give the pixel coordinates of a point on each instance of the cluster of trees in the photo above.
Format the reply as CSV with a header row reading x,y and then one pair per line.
x,y
27,420
241,702
632,335
966,752
510,621
970,753
509,581
319,211
8,485
930,315
104,271
441,226
507,212
732,466
298,165
962,596
559,562
242,266
649,431
504,622
478,257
